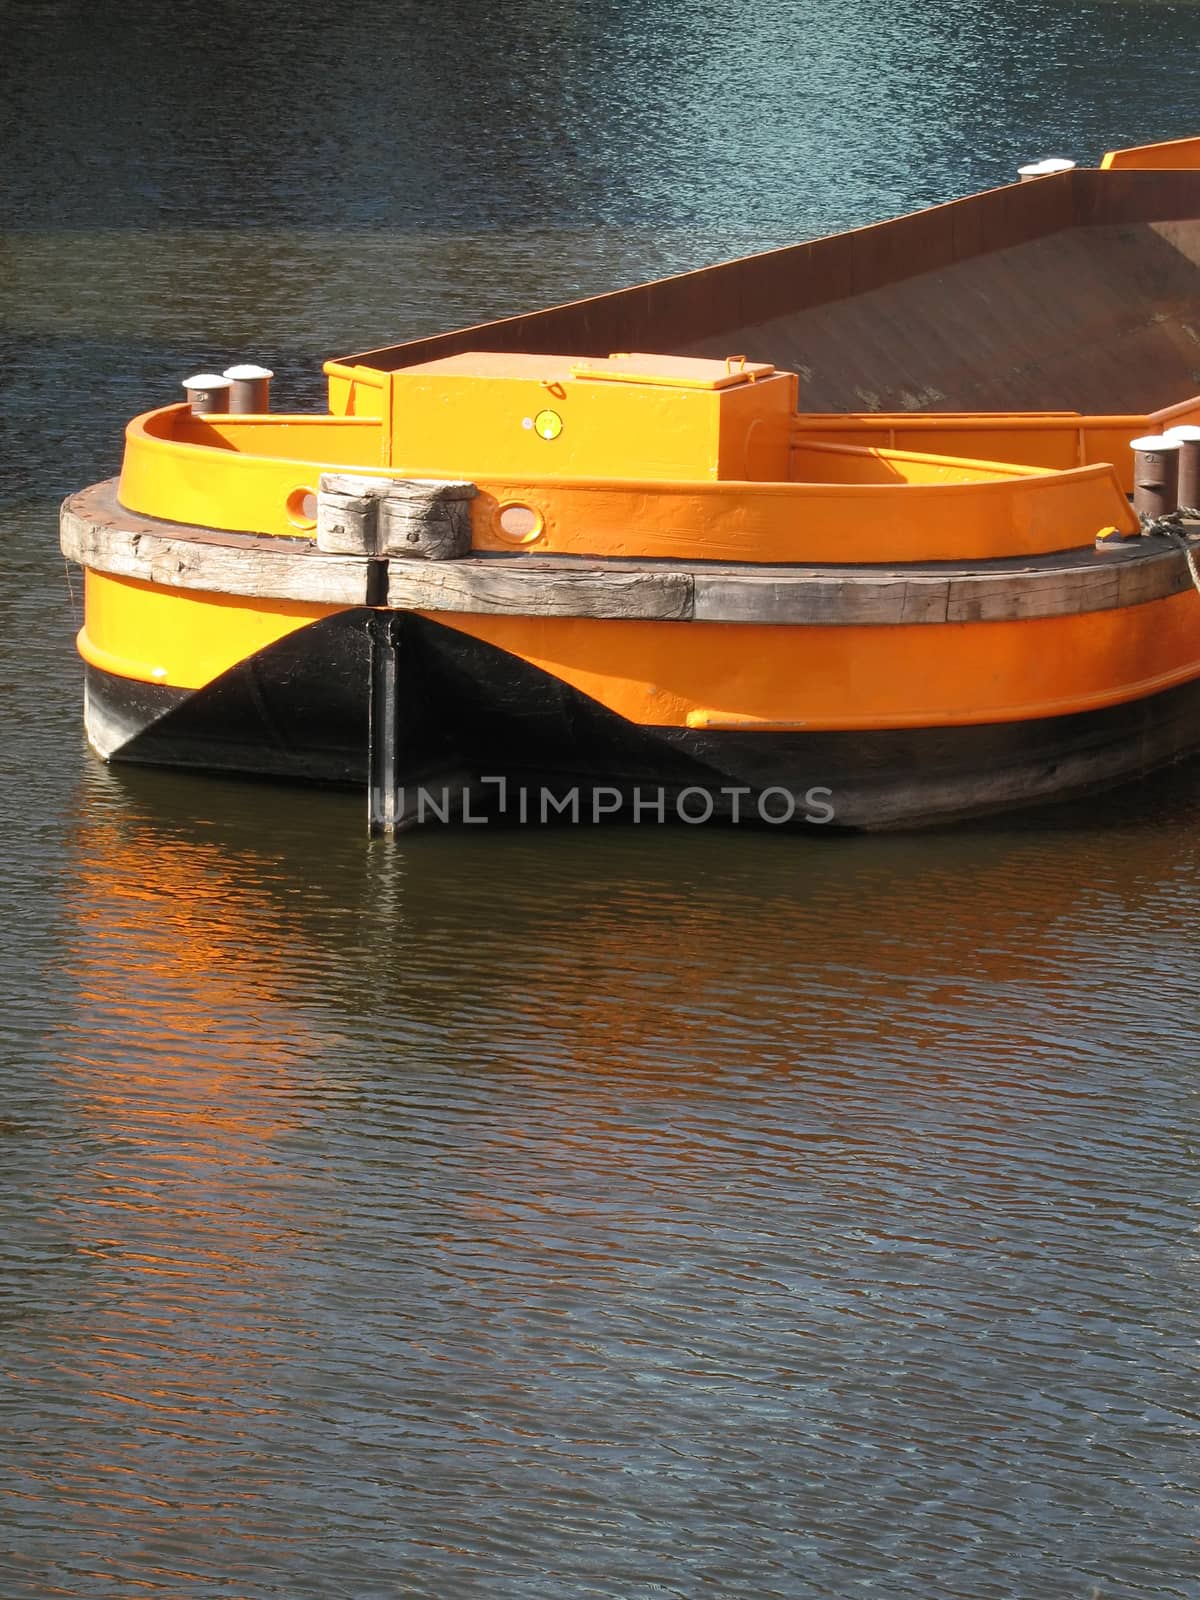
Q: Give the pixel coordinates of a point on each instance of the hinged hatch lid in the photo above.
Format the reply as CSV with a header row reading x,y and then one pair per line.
x,y
674,372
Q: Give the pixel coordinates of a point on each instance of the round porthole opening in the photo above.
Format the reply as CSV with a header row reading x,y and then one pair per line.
x,y
518,523
302,507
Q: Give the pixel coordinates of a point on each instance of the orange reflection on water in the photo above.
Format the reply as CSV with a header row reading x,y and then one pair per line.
x,y
183,1057
162,1344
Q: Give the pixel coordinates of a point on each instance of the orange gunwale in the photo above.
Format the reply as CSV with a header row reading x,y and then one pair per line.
x,y
191,470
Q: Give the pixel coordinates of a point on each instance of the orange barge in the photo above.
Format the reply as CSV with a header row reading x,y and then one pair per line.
x,y
878,568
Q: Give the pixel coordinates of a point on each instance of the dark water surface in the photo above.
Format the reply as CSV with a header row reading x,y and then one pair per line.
x,y
617,1213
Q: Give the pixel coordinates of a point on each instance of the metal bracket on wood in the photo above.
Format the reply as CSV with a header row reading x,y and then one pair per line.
x,y
383,753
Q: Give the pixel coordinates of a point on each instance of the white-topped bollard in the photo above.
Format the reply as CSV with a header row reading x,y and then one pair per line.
x,y
250,388
1188,490
1155,474
207,392
1045,169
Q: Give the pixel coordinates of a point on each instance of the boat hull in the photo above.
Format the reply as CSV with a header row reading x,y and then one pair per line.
x,y
483,735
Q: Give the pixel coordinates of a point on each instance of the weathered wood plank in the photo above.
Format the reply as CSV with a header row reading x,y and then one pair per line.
x,y
819,598
529,587
1095,587
347,524
433,528
423,491
99,533
1090,583
1140,581
244,565
427,517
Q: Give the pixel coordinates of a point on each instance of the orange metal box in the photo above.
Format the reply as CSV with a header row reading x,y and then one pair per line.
x,y
630,416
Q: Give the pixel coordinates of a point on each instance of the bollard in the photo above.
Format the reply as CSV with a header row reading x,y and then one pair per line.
x,y
1189,464
1044,169
1155,475
207,392
250,388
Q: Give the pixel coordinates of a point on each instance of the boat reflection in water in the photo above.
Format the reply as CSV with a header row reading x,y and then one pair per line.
x,y
400,1184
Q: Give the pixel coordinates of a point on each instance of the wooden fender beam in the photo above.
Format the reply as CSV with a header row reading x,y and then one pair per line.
x,y
538,586
97,532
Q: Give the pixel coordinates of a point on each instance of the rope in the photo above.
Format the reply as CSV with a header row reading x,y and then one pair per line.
x,y
1171,526
1170,521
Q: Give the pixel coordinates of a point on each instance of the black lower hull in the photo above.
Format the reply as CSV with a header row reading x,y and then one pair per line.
x,y
479,730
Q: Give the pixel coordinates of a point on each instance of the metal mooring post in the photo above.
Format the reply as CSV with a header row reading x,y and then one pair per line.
x,y
1155,474
1188,435
383,808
